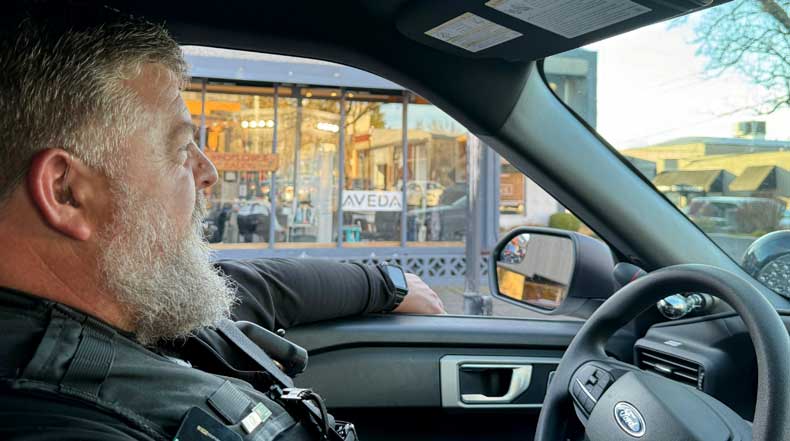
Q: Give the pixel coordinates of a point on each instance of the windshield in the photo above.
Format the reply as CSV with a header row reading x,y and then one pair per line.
x,y
699,105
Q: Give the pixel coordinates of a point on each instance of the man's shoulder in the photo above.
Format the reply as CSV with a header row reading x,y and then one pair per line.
x,y
33,416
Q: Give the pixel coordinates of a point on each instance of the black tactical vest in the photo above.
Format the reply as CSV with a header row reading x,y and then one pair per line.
x,y
82,359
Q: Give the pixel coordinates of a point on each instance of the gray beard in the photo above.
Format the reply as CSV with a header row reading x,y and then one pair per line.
x,y
162,277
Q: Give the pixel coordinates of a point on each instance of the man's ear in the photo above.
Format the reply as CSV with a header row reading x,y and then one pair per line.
x,y
61,187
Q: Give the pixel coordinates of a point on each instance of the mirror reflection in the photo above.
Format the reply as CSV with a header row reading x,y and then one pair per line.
x,y
536,269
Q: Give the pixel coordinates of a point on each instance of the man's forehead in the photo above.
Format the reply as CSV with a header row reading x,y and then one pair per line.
x,y
158,88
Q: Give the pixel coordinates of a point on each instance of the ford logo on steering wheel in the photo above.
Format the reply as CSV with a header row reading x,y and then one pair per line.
x,y
629,419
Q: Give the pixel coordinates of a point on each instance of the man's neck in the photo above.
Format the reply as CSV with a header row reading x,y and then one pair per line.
x,y
52,270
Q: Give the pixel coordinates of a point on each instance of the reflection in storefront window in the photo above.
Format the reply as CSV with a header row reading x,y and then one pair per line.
x,y
238,139
310,164
240,125
436,187
372,194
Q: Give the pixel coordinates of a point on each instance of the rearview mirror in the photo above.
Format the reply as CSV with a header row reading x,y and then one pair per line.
x,y
551,271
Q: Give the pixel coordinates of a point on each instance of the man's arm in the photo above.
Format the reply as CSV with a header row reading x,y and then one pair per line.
x,y
280,293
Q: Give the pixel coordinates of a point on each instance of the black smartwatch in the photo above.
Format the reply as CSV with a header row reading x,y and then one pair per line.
x,y
397,279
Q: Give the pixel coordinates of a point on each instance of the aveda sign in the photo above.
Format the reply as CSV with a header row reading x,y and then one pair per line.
x,y
354,200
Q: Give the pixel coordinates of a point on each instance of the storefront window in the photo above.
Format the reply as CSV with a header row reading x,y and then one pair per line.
x,y
309,165
241,123
238,140
436,188
373,169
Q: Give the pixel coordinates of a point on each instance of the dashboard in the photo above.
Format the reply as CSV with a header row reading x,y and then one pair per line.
x,y
712,353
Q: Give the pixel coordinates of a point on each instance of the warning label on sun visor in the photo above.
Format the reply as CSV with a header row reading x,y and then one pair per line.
x,y
473,33
570,18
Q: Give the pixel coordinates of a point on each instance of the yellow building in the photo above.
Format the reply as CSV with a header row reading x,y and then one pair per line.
x,y
704,166
737,163
708,153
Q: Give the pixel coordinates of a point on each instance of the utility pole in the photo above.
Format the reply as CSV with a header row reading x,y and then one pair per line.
x,y
475,303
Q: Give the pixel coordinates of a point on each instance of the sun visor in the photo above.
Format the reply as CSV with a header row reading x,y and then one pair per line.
x,y
521,30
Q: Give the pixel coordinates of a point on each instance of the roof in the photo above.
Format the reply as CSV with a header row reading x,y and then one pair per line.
x,y
384,137
751,178
710,140
639,161
702,179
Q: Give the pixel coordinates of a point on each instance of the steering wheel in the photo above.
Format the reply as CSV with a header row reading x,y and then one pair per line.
x,y
616,401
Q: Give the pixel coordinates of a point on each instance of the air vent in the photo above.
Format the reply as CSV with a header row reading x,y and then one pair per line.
x,y
670,366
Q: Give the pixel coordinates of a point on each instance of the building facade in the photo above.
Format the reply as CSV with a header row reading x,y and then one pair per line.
x,y
319,159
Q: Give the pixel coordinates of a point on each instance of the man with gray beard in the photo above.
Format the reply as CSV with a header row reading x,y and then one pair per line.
x,y
104,272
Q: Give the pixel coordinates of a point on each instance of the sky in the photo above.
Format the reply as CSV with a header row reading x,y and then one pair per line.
x,y
652,87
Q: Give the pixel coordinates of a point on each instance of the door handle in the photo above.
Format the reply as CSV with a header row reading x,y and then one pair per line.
x,y
450,375
519,382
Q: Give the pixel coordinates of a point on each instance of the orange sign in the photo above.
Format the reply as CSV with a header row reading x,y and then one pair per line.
x,y
511,187
265,162
194,107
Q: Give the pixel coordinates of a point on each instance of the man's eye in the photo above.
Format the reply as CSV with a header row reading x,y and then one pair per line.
x,y
185,147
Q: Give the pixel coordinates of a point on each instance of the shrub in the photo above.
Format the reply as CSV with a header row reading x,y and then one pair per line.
x,y
564,221
707,225
758,216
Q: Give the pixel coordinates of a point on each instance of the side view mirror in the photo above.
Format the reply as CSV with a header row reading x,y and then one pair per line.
x,y
551,271
768,260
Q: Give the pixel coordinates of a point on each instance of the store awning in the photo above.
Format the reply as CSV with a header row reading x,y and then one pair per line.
x,y
228,64
702,181
752,178
387,137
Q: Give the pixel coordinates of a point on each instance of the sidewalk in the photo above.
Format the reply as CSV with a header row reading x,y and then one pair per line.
x,y
453,298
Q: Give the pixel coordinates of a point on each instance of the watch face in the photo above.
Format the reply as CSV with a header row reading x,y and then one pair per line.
x,y
397,277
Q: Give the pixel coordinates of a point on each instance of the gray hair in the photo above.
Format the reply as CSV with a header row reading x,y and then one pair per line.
x,y
65,89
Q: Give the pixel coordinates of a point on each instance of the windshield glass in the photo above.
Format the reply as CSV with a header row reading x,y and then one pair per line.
x,y
699,105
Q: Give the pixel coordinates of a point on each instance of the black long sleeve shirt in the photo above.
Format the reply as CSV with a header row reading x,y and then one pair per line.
x,y
274,293
281,293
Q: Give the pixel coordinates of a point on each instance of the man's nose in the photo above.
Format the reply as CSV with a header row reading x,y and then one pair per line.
x,y
204,170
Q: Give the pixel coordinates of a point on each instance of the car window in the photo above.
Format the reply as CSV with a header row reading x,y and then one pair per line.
x,y
347,135
699,105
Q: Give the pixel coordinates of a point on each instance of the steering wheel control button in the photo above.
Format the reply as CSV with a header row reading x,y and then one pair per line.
x,y
588,385
629,419
576,391
583,397
597,391
588,404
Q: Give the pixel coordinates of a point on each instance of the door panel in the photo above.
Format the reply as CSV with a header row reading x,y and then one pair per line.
x,y
446,330
384,373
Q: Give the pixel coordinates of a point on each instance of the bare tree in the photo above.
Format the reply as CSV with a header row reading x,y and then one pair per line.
x,y
751,37
355,110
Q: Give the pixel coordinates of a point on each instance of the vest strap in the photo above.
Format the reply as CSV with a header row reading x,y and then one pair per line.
x,y
230,403
228,329
92,360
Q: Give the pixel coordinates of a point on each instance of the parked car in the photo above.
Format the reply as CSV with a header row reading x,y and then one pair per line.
x,y
784,222
736,215
431,191
441,223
